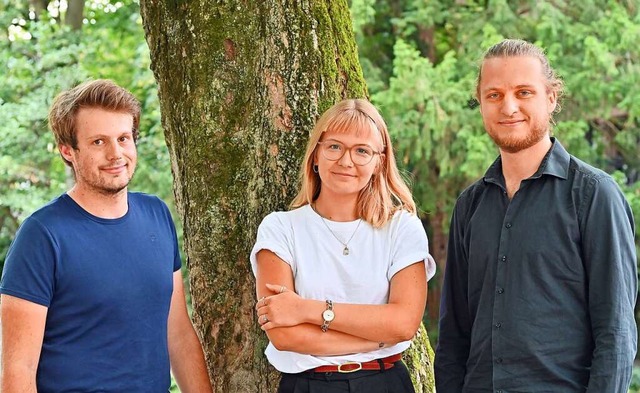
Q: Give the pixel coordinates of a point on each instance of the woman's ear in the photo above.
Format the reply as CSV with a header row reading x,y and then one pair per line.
x,y
380,164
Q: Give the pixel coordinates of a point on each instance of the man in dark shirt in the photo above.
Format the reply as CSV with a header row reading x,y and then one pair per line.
x,y
541,282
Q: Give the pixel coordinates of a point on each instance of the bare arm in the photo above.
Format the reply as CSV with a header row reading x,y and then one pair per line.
x,y
396,321
309,339
23,325
301,338
185,350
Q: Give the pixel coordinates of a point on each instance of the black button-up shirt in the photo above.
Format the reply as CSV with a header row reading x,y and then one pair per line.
x,y
539,290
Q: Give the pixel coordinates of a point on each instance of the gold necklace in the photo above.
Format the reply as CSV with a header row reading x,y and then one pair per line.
x,y
345,250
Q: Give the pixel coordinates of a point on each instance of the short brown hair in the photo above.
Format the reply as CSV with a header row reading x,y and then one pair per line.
x,y
522,48
99,93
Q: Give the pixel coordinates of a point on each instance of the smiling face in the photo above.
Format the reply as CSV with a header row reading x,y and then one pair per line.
x,y
515,102
105,158
343,176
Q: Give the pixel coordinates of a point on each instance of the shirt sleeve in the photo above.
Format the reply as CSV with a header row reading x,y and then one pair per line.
x,y
29,269
177,260
607,229
273,235
410,245
454,336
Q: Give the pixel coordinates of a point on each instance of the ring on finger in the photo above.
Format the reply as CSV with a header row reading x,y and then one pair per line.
x,y
265,319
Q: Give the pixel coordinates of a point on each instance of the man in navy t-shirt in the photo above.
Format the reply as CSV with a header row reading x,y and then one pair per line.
x,y
91,293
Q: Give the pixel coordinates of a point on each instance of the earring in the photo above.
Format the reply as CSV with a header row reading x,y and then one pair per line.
x,y
315,169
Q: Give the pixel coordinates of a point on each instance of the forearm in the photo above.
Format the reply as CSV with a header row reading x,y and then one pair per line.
x,y
188,364
610,374
613,356
390,323
17,378
310,339
455,325
23,325
384,323
454,343
610,258
450,366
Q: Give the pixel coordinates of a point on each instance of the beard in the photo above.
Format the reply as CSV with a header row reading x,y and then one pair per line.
x,y
513,143
105,185
113,188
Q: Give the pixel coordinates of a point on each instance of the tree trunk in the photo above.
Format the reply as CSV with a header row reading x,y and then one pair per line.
x,y
419,360
438,248
38,6
240,86
74,15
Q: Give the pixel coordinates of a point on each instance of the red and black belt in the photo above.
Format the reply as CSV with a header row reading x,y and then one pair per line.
x,y
351,367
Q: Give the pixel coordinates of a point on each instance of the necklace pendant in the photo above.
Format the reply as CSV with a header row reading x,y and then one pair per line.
x,y
345,251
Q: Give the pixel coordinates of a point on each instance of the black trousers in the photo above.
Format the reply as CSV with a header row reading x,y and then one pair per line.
x,y
393,380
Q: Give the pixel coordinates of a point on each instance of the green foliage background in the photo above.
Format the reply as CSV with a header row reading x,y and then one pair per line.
x,y
421,60
42,57
419,57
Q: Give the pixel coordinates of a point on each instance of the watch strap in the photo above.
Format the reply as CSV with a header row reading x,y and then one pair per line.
x,y
325,323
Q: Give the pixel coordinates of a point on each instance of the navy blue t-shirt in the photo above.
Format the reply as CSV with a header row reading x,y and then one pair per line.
x,y
107,284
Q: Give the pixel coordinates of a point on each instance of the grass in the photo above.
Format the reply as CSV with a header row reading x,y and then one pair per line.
x,y
635,380
174,387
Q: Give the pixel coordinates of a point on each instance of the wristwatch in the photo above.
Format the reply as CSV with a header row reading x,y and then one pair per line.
x,y
327,316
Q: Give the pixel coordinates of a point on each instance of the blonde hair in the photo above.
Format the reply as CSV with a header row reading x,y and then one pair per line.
x,y
100,93
386,192
522,48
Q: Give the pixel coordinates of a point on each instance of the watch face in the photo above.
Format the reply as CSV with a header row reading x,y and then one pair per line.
x,y
328,315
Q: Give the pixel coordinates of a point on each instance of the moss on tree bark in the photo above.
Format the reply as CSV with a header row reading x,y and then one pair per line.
x,y
240,86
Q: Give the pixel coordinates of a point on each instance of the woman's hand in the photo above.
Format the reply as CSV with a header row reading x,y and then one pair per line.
x,y
279,310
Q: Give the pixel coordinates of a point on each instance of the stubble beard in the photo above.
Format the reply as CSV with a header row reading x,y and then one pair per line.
x,y
105,187
514,144
112,190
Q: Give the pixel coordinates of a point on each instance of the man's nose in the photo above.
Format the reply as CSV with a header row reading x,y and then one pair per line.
x,y
509,105
114,151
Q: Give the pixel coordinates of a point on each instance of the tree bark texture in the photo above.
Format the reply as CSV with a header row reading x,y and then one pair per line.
x,y
38,6
241,84
75,14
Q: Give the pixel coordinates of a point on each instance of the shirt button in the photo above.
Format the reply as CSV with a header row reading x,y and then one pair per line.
x,y
508,225
500,291
498,325
499,391
499,360
504,258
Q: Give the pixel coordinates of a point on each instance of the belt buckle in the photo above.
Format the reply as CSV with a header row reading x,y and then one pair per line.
x,y
340,370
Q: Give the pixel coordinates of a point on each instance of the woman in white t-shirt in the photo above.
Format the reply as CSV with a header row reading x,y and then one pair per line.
x,y
342,277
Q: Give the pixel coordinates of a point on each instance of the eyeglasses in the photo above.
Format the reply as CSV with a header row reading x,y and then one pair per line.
x,y
333,150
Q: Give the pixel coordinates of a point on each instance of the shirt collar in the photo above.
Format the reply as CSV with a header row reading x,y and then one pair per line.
x,y
554,163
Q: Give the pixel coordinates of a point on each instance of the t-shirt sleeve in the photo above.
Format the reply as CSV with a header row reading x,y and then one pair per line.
x,y
274,235
177,260
410,245
29,269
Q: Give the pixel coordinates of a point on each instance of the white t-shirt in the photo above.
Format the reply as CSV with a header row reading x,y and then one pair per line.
x,y
321,271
